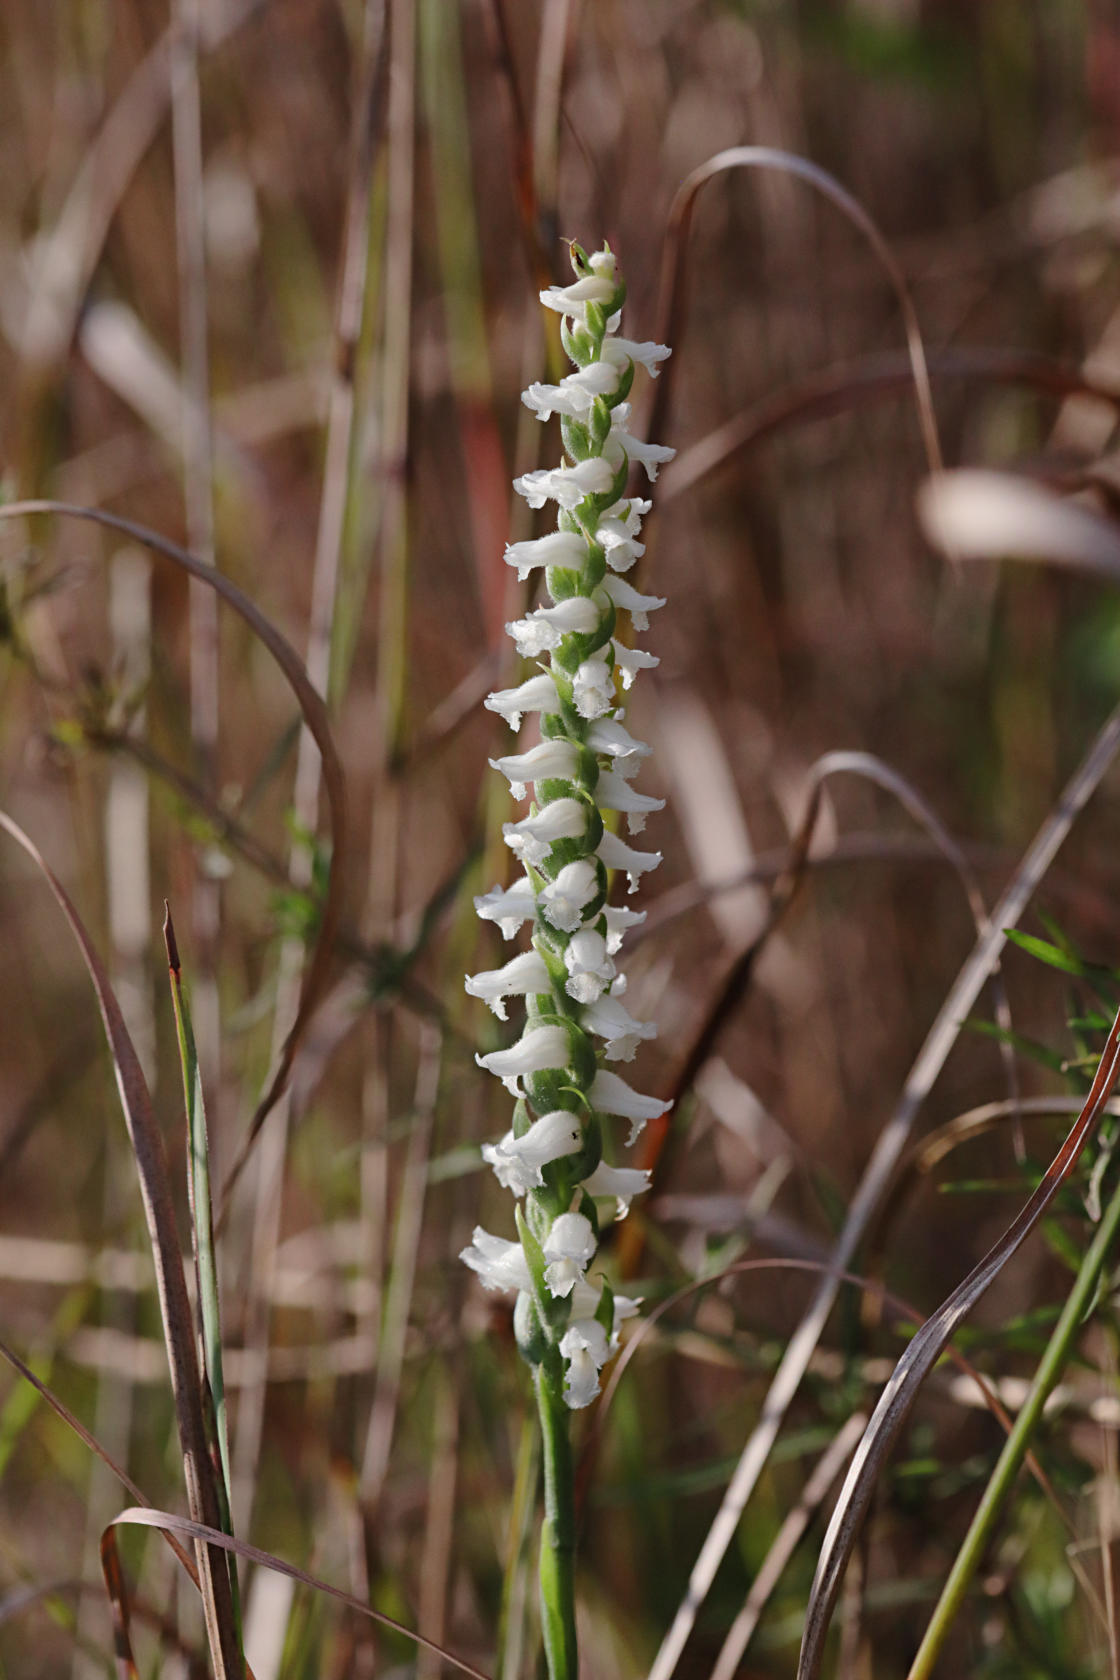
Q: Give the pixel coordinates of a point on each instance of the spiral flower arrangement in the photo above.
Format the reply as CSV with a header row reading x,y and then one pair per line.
x,y
581,765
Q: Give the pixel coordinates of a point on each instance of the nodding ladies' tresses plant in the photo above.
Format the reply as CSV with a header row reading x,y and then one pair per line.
x,y
582,765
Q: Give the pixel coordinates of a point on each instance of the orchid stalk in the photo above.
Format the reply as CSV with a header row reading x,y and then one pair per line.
x,y
580,764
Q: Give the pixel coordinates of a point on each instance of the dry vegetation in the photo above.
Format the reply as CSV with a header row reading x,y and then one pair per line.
x,y
267,287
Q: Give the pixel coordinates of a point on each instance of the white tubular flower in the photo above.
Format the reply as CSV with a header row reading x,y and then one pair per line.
x,y
566,485
544,629
593,687
562,901
555,757
538,694
568,1247
581,767
517,1162
611,1020
616,794
638,606
616,854
584,1346
558,548
500,1264
520,976
510,907
623,1183
533,837
612,1095
537,1048
590,969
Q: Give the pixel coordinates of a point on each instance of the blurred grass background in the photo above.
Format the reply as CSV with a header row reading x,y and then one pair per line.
x,y
268,280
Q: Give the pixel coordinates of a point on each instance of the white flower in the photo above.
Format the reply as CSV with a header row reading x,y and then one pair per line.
x,y
619,918
620,546
614,793
616,854
537,694
609,737
574,394
590,969
500,1264
541,631
563,899
573,300
585,1299
558,548
520,976
610,1020
593,687
566,485
630,660
638,606
584,1346
647,355
510,907
623,1183
611,1095
538,1048
568,1247
532,838
517,1162
649,455
554,757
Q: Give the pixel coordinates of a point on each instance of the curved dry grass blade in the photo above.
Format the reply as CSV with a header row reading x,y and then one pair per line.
x,y
981,515
203,1534
837,390
159,1212
672,288
315,717
877,1175
920,1357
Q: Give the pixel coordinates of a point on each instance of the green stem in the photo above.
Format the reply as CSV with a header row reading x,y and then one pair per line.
x,y
558,1530
1015,1448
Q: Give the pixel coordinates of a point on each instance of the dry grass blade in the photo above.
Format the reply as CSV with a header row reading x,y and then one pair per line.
x,y
155,1189
672,305
920,1357
145,1517
981,515
315,716
877,1175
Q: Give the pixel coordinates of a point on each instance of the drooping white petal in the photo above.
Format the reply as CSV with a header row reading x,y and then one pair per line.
x,y
620,545
499,1264
612,1095
609,1019
538,1048
593,687
638,606
619,918
557,548
614,793
532,838
570,1244
647,354
649,455
630,660
575,393
609,737
552,757
536,694
510,907
566,485
520,976
590,969
563,899
541,631
518,1162
616,854
573,300
623,1183
584,1346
